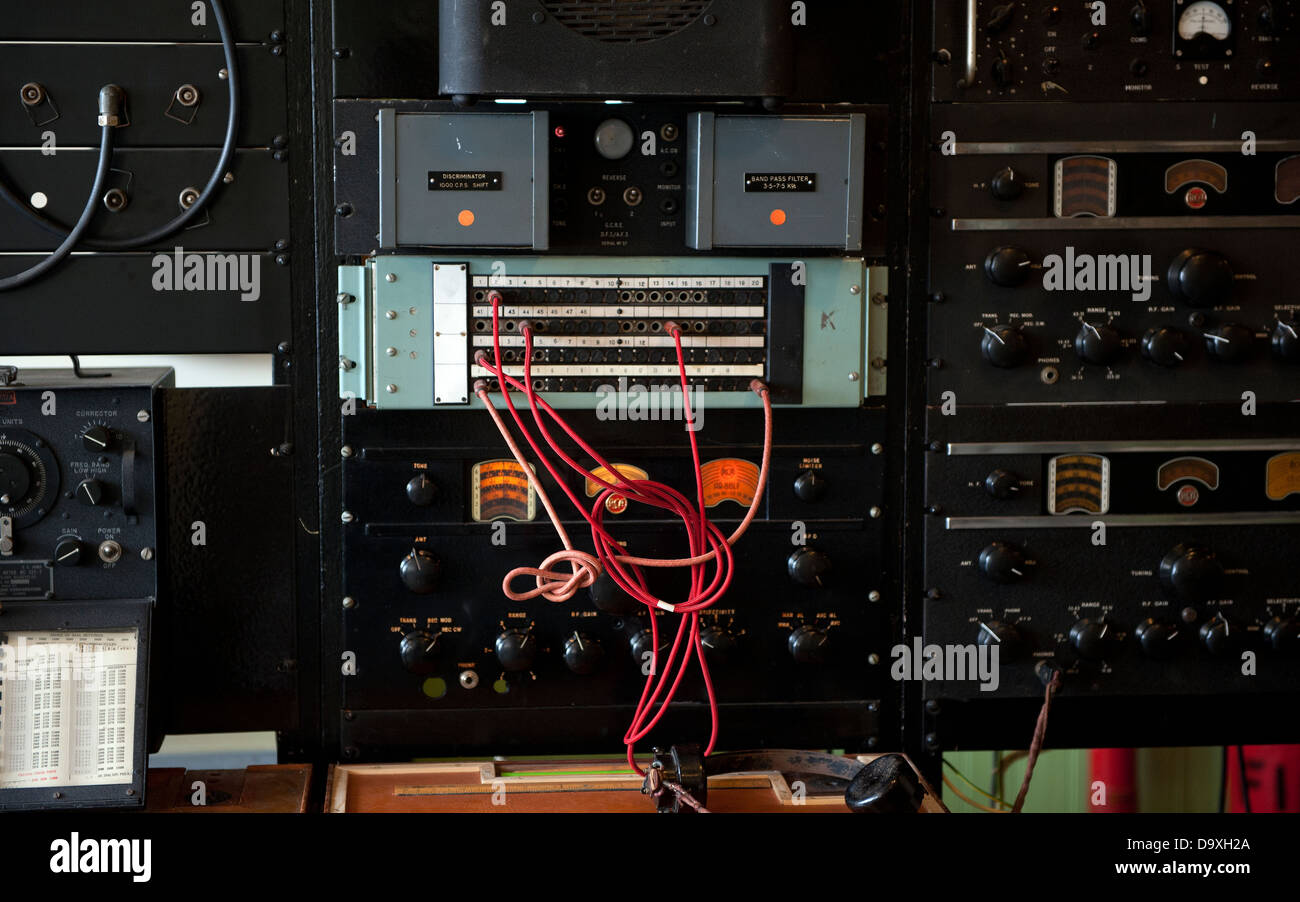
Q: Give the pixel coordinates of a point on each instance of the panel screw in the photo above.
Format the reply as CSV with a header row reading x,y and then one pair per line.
x,y
854,289
142,416
345,298
390,388
877,448
875,513
391,352
932,741
349,602
58,795
873,595
873,659
347,517
346,451
877,363
146,554
391,277
854,376
932,706
878,298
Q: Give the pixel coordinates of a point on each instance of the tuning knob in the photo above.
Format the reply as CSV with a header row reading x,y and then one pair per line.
x,y
97,439
608,597
809,644
1165,346
1231,342
67,552
582,654
1160,639
516,650
1004,346
1003,563
1286,341
1283,633
1003,71
1218,636
1097,343
810,485
1200,278
421,490
90,491
808,567
1006,184
719,644
1094,639
1002,484
1007,266
419,651
1191,572
1002,635
420,570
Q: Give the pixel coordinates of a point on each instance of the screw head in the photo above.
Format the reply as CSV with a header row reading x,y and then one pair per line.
x,y
345,298
854,376
349,602
346,451
855,289
142,416
877,448
146,554
390,388
873,595
390,314
875,513
873,659
391,352
390,277
347,517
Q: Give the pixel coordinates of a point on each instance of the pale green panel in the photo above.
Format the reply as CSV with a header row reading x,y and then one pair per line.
x,y
354,316
1059,785
836,332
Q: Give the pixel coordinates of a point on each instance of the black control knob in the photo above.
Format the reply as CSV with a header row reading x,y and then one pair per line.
x,y
810,485
1002,484
809,645
1007,266
1230,343
90,491
1097,343
1218,636
1000,17
1003,71
1003,635
1052,14
1200,278
1003,563
1094,640
96,439
516,650
1160,639
582,654
1191,572
608,597
1090,40
67,552
1265,20
1165,346
1139,19
421,490
1266,68
1283,633
419,651
1004,346
15,480
808,567
1007,184
1286,341
719,644
420,570
642,645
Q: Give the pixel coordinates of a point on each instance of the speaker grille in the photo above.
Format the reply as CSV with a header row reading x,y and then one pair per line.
x,y
626,21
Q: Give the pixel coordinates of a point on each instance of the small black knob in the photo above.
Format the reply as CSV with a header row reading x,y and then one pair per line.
x,y
1139,19
1230,343
1139,67
421,490
516,650
1200,278
67,552
420,570
1000,17
810,485
885,785
419,651
1002,484
1004,346
1097,343
1052,14
1165,346
808,567
1090,40
1286,340
1264,18
1003,635
1265,68
608,597
1160,639
1007,184
719,644
1003,563
582,654
1191,572
1003,71
1094,640
1218,636
1283,633
90,491
1007,266
809,645
97,439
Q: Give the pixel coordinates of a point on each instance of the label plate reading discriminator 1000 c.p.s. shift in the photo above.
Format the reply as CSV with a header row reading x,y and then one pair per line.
x,y
464,181
780,181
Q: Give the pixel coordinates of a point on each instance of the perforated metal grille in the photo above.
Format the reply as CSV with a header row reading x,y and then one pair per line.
x,y
627,21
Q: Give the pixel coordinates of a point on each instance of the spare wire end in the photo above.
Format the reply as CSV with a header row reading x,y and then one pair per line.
x,y
112,101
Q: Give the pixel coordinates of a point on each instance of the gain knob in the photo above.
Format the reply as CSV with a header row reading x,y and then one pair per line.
x,y
67,552
1003,563
582,654
608,597
1004,636
1191,572
809,644
1094,640
1160,639
719,644
1006,184
1231,342
1286,341
419,651
1007,266
1165,346
1004,346
420,570
1218,636
1200,278
808,567
1097,343
516,650
1283,633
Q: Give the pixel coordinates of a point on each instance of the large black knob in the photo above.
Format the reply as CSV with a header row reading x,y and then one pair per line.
x,y
810,485
1191,572
643,646
608,597
90,491
516,650
1283,633
1231,342
1004,346
809,645
1286,341
1007,266
1002,484
1002,635
420,570
582,654
97,439
421,490
1003,71
15,480
719,644
67,552
1160,639
1003,563
1218,636
1007,184
808,567
885,785
1200,278
419,651
1165,346
1097,343
1094,640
